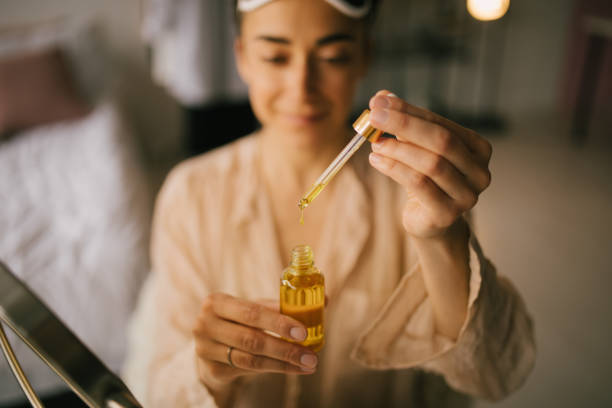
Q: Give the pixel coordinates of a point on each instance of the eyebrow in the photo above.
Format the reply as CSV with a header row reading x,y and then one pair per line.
x,y
328,39
337,37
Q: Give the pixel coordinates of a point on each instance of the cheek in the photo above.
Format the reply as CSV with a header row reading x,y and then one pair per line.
x,y
340,86
263,88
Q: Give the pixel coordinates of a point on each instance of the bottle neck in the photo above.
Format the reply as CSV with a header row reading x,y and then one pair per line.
x,y
302,257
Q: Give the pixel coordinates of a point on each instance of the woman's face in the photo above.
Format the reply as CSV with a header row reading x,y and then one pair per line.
x,y
301,61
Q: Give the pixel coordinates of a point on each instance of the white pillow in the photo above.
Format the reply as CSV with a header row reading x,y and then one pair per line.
x,y
74,217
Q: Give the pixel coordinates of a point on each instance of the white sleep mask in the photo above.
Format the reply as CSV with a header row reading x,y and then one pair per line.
x,y
351,8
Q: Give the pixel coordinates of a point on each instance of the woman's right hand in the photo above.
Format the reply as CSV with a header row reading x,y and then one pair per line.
x,y
225,321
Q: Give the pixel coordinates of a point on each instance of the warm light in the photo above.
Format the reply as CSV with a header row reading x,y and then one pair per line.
x,y
487,10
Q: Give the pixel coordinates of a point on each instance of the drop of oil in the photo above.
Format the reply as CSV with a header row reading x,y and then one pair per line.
x,y
302,205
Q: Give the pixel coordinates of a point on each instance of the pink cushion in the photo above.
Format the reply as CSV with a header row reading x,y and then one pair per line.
x,y
36,89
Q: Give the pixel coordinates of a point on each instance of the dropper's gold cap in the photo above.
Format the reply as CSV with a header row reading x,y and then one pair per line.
x,y
363,126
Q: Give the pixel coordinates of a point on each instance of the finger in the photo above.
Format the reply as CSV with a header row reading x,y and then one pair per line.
x,y
434,166
438,140
270,304
244,363
382,92
258,316
252,362
476,144
388,100
273,305
254,341
210,352
425,190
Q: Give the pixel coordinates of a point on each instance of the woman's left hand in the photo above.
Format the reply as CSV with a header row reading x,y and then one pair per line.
x,y
442,166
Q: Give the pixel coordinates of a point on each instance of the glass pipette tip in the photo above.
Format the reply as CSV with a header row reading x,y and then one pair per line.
x,y
365,131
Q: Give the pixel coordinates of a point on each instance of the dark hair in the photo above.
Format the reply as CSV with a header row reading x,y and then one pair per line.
x,y
368,18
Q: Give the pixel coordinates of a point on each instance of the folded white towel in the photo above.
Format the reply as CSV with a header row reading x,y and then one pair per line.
x,y
192,52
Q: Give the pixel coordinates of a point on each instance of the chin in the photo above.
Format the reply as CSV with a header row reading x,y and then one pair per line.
x,y
305,137
304,132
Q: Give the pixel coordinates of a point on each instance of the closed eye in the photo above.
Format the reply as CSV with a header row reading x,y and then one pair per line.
x,y
277,60
342,59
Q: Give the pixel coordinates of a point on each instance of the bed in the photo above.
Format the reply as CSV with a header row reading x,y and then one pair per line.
x,y
74,196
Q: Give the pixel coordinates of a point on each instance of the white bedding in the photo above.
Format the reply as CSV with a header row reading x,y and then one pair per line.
x,y
74,216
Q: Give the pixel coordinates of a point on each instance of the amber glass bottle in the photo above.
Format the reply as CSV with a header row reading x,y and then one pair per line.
x,y
302,295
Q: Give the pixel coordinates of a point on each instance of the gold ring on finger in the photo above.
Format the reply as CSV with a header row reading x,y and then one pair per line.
x,y
229,356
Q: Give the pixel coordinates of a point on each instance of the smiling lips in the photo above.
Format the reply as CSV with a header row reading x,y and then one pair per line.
x,y
304,119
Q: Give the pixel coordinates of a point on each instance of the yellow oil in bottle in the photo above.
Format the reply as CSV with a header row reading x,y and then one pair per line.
x,y
302,295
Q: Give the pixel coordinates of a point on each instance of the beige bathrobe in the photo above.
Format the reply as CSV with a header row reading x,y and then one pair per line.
x,y
213,231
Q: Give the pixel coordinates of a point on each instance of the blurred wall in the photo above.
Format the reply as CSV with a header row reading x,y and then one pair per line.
x,y
516,66
535,52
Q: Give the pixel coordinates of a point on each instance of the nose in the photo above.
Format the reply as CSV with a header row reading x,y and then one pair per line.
x,y
303,78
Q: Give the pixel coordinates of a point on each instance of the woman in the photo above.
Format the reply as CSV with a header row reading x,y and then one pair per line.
x,y
416,314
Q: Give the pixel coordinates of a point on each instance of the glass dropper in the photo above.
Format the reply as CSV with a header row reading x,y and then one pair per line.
x,y
365,131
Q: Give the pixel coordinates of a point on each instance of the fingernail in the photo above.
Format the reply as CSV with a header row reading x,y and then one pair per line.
x,y
309,360
298,333
379,116
374,158
391,94
381,102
